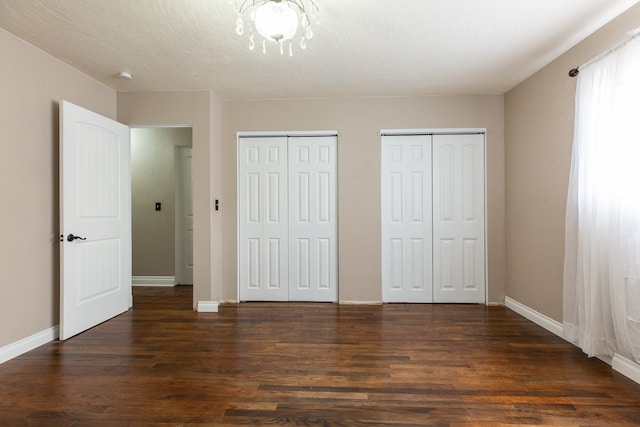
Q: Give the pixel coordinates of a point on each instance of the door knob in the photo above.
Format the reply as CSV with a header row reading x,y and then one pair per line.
x,y
71,238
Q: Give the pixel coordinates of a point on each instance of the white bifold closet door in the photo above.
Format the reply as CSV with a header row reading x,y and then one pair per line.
x,y
406,219
313,218
263,217
433,218
287,203
458,218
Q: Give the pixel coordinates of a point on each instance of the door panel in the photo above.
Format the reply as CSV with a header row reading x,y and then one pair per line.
x,y
184,215
406,218
95,204
263,219
458,222
313,270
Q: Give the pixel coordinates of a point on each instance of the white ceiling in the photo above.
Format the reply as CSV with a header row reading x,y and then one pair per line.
x,y
360,48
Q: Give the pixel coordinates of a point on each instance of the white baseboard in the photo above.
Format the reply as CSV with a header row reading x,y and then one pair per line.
x,y
620,364
538,318
207,307
626,367
24,345
153,281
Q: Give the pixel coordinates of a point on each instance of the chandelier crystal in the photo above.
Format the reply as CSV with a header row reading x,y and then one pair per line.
x,y
276,21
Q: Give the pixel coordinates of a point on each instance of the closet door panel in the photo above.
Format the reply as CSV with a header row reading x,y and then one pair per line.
x,y
458,218
313,274
406,218
263,219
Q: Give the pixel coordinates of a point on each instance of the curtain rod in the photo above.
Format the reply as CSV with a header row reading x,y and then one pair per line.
x,y
634,34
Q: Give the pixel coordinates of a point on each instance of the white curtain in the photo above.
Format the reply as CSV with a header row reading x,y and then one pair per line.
x,y
602,241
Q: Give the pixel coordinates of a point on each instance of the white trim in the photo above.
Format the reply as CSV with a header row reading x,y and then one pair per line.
x,y
626,367
24,345
287,133
238,216
486,216
434,131
207,307
153,281
538,318
620,364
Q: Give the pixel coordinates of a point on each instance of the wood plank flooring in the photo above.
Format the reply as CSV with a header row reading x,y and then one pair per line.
x,y
304,364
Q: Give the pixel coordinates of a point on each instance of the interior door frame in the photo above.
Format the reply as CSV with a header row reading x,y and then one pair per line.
x,y
285,134
453,131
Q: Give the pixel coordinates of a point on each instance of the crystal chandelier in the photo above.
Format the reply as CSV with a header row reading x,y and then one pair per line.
x,y
276,21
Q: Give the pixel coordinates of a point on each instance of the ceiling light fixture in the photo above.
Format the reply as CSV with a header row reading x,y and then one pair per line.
x,y
276,21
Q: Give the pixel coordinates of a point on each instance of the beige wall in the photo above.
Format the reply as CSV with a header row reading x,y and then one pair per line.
x,y
32,84
201,111
358,122
153,179
539,131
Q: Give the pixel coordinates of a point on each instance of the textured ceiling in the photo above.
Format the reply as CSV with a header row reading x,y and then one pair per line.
x,y
360,47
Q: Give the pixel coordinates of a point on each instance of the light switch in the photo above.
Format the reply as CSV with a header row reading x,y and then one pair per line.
x,y
158,206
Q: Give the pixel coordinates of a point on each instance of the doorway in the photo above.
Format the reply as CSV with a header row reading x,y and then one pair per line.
x,y
161,206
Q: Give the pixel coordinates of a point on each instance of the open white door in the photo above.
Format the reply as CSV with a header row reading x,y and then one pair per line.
x,y
95,219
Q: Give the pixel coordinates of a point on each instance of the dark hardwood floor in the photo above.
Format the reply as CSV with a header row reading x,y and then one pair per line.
x,y
308,364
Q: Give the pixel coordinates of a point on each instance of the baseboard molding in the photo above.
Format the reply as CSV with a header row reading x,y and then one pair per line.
x,y
168,281
620,364
24,345
626,367
207,307
538,318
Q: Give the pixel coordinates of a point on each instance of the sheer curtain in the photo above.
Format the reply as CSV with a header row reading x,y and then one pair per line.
x,y
602,241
